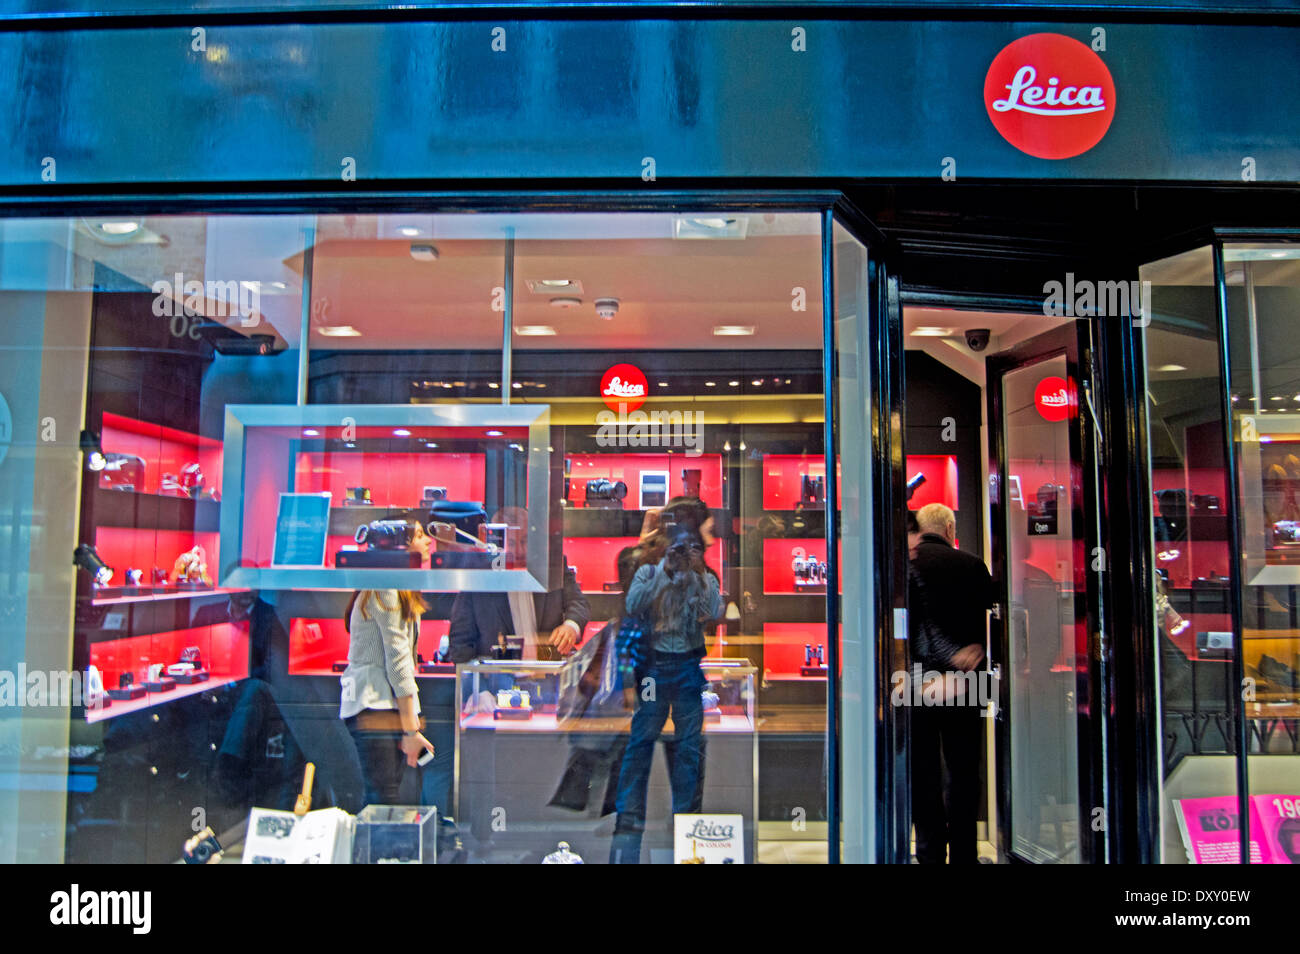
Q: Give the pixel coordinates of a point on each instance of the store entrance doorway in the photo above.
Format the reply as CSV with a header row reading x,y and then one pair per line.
x,y
998,429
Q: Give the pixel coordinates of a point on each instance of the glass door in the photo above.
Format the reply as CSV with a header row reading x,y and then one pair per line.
x,y
1043,505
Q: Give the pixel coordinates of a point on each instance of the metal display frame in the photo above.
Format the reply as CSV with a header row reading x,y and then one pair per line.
x,y
534,578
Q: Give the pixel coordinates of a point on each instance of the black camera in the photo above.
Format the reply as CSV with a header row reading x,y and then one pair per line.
x,y
809,571
602,492
434,493
202,849
386,534
812,491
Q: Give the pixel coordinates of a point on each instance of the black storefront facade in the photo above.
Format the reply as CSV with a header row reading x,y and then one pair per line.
x,y
866,147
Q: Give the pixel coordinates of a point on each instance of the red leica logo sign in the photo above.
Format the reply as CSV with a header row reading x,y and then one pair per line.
x,y
1050,96
623,384
1052,398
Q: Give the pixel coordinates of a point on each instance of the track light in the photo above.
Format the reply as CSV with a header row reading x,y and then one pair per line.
x,y
87,559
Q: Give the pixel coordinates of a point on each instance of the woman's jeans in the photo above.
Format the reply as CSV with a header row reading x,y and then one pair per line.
x,y
677,682
388,779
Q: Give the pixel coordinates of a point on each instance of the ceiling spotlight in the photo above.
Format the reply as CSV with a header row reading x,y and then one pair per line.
x,y
410,231
311,432
496,433
710,227
663,384
534,331
1171,367
710,384
733,384
340,331
565,302
737,331
757,382
85,558
493,385
432,445
552,286
422,252
517,384
927,331
95,459
401,432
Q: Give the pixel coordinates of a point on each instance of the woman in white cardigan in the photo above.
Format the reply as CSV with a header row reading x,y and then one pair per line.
x,y
380,701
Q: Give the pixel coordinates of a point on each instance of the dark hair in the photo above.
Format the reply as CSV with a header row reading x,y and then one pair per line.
x,y
912,525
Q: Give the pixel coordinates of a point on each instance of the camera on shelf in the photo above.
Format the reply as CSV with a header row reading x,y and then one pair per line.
x,y
357,497
122,472
605,493
386,534
812,491
190,668
808,570
513,704
387,545
432,494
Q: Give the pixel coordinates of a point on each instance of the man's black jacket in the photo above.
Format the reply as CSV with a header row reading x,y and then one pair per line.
x,y
948,592
478,618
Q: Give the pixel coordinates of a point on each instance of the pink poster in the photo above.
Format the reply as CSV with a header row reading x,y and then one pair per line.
x,y
1211,829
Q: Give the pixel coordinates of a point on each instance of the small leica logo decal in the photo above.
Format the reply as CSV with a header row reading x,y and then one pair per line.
x,y
625,385
1052,398
1049,96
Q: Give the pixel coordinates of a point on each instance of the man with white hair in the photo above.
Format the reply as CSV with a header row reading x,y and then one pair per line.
x,y
948,594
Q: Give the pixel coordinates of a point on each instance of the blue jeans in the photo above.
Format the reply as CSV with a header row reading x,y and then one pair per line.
x,y
677,685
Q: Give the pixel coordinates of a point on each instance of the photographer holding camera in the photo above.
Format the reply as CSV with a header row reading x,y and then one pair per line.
x,y
380,703
676,596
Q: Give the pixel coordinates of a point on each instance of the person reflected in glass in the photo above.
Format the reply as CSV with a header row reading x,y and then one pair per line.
x,y
676,596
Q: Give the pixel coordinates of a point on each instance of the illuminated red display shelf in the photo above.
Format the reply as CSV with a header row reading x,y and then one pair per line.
x,y
783,650
595,559
145,527
629,468
223,648
779,575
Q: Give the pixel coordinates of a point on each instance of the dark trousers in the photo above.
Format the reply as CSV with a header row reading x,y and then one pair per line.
x,y
957,733
677,685
388,779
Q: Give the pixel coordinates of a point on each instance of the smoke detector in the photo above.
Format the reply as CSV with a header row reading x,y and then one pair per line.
x,y
607,308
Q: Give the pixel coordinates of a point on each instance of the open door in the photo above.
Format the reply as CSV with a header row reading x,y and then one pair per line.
x,y
1045,650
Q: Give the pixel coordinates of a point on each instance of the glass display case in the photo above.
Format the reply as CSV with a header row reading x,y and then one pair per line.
x,y
532,766
337,497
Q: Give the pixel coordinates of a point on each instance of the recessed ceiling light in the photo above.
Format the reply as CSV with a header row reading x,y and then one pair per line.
x,y
349,444
517,384
340,331
1276,397
710,384
1171,367
757,382
423,253
495,433
493,385
311,432
431,444
278,286
929,331
410,231
551,286
663,384
120,228
1266,440
565,302
534,331
738,331
733,384
710,226
401,432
